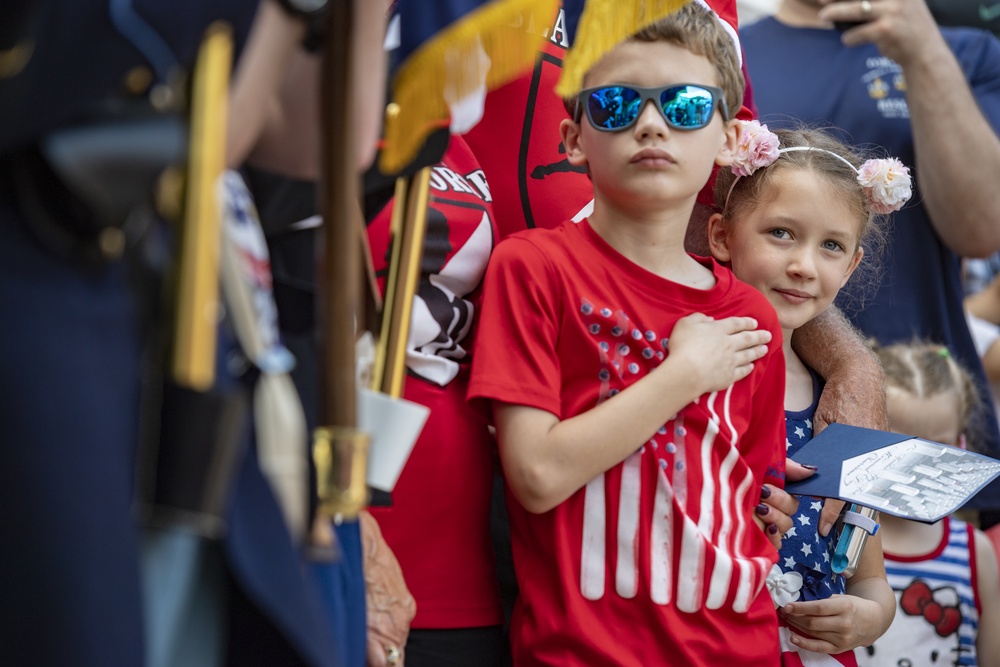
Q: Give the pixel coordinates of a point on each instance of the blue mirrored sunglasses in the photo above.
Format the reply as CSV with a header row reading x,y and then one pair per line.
x,y
684,106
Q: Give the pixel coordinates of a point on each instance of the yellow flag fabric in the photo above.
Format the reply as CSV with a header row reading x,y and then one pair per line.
x,y
459,47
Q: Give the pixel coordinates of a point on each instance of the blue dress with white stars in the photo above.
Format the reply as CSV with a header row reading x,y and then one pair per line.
x,y
802,549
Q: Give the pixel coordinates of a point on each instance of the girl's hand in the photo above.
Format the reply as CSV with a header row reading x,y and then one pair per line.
x,y
774,513
796,472
716,353
837,624
777,506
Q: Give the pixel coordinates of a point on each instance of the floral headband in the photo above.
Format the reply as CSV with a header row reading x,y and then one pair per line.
x,y
886,182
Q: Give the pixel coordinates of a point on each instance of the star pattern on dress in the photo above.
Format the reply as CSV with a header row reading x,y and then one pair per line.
x,y
803,550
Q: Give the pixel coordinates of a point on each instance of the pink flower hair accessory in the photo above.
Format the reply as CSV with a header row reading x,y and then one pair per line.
x,y
758,147
886,181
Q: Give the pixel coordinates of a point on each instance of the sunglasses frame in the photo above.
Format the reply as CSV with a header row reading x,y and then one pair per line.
x,y
650,94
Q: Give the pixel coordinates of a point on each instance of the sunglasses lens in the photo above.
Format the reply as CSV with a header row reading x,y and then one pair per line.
x,y
689,107
613,107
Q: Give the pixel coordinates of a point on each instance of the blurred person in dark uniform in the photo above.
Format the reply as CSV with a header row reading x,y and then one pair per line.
x,y
75,349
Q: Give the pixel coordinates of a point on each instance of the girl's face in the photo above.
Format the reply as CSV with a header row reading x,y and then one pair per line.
x,y
936,418
798,247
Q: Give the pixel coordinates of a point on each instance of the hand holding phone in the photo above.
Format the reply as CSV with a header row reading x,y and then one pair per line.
x,y
866,11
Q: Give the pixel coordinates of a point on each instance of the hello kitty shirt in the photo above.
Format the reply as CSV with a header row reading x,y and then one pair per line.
x,y
658,560
937,613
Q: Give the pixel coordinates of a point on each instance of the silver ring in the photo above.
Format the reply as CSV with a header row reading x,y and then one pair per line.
x,y
866,9
392,655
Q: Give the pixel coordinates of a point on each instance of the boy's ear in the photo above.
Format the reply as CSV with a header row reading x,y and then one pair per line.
x,y
727,151
569,132
718,239
854,264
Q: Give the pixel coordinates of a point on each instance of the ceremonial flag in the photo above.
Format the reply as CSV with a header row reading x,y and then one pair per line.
x,y
450,50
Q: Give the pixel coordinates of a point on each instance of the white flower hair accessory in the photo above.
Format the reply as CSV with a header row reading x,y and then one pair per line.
x,y
886,181
784,587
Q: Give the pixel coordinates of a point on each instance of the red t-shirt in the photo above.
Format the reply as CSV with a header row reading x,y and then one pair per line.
x,y
439,524
658,560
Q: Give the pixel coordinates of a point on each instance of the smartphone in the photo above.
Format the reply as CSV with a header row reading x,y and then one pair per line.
x,y
846,25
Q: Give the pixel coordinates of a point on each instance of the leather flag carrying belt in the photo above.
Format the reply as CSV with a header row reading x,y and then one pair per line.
x,y
85,190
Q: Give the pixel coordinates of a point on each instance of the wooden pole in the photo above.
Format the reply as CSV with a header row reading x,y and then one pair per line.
x,y
340,449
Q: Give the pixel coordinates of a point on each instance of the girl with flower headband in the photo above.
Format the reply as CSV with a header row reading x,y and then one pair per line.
x,y
797,210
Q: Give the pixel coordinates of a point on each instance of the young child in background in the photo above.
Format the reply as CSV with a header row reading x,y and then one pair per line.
x,y
637,405
797,209
944,574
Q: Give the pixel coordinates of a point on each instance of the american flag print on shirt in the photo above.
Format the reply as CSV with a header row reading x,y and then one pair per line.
x,y
694,515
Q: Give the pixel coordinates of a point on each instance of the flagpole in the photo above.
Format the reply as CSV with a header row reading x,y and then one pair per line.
x,y
195,316
340,449
408,229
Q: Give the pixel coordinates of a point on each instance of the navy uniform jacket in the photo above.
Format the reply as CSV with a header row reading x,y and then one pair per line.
x,y
70,366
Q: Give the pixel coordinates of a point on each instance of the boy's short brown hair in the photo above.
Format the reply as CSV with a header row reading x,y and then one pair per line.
x,y
697,29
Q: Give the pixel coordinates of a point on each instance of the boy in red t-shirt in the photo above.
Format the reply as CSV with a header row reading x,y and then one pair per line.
x,y
638,407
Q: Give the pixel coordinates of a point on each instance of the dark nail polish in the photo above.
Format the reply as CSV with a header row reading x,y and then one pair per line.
x,y
809,467
765,493
762,509
772,528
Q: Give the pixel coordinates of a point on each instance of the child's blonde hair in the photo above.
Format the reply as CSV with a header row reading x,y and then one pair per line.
x,y
926,370
697,29
700,31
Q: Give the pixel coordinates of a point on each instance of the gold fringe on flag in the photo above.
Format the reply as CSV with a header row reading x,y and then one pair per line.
x,y
603,25
491,45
